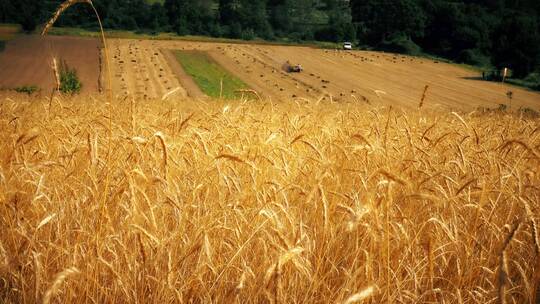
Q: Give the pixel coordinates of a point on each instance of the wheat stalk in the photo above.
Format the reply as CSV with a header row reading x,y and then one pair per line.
x,y
360,296
58,280
61,9
424,94
503,264
37,275
161,138
56,74
327,222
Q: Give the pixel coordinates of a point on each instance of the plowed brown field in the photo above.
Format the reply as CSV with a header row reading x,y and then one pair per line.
x,y
27,61
141,68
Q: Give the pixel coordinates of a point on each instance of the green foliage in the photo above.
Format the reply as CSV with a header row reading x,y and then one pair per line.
x,y
209,75
69,81
27,10
2,45
474,57
380,19
400,43
189,16
532,81
517,40
340,27
533,78
27,89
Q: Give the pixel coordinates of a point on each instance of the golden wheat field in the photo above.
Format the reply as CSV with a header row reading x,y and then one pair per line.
x,y
186,201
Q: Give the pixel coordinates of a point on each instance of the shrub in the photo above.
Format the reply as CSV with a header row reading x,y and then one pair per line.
x,y
247,34
235,30
533,81
533,78
492,75
27,89
69,81
2,45
400,43
474,57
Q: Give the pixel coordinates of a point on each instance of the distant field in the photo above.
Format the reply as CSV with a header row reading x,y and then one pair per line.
x,y
213,79
361,76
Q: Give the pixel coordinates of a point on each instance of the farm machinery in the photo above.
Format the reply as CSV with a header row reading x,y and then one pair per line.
x,y
292,68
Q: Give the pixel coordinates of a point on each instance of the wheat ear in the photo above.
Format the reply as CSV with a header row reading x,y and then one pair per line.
x,y
60,278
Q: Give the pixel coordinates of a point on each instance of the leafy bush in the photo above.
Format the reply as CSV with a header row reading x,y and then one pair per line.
x,y
400,43
336,31
247,34
533,78
474,57
27,89
69,81
533,81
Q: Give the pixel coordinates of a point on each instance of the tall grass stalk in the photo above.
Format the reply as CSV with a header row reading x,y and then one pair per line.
x,y
61,9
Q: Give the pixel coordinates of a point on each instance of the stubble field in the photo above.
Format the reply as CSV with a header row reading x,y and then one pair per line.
x,y
371,77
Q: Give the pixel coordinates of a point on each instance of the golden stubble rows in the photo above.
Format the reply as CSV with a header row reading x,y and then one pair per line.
x,y
253,201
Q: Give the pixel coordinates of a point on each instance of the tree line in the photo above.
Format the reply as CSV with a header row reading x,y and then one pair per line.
x,y
489,33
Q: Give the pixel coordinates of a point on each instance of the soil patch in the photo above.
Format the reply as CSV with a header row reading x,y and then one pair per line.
x,y
27,60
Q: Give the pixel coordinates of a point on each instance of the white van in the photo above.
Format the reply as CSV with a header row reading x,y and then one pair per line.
x,y
347,46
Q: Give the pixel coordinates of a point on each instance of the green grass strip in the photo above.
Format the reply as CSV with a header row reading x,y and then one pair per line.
x,y
208,74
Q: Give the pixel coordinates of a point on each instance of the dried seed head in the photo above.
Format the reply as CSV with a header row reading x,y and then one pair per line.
x,y
362,295
60,278
61,9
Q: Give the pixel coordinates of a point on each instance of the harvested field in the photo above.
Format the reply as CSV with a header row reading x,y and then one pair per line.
x,y
140,69
370,77
189,201
27,60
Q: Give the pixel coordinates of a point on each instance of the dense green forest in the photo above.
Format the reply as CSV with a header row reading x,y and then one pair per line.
x,y
488,33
